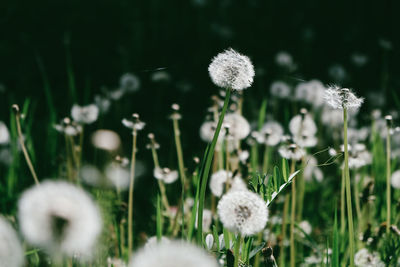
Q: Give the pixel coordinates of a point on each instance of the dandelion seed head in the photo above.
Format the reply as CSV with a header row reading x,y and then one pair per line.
x,y
218,180
166,175
339,98
152,242
291,151
85,114
280,89
207,220
91,175
134,124
207,131
60,218
302,125
364,258
106,140
239,127
243,211
173,254
395,180
129,82
11,252
311,92
103,103
271,133
306,227
232,70
4,134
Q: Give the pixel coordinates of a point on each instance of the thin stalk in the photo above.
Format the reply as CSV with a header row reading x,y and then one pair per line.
x,y
206,170
292,220
284,218
237,249
131,185
21,142
388,180
342,206
257,257
301,193
348,189
357,202
179,152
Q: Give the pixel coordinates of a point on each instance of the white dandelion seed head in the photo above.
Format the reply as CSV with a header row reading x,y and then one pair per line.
x,y
166,175
60,218
243,211
207,220
106,140
306,227
103,103
364,258
291,151
115,262
91,175
272,133
129,82
238,184
395,180
232,70
173,254
85,114
4,134
11,251
68,127
306,141
152,242
359,156
302,125
239,127
134,124
311,92
311,170
284,59
207,131
357,135
244,156
218,180
339,98
280,89
118,175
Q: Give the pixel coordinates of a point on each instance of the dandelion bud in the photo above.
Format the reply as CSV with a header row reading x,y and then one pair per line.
x,y
196,160
175,107
231,70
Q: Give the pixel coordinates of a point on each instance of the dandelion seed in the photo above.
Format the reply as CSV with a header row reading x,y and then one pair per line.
x,y
61,218
239,127
11,252
231,70
243,212
4,134
129,83
106,140
173,254
86,114
166,175
339,98
280,89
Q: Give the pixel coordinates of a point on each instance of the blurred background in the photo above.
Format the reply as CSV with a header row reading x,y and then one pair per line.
x,y
56,53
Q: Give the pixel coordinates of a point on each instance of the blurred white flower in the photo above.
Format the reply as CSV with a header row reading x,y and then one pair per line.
x,y
160,76
134,124
209,241
271,133
218,180
152,242
6,156
118,175
359,59
166,175
60,218
364,258
84,114
395,180
4,134
207,131
285,60
106,140
359,156
291,151
302,125
332,118
239,127
312,171
129,82
103,103
115,262
311,92
91,175
232,70
175,253
339,98
305,140
207,220
243,211
306,227
11,252
68,127
280,89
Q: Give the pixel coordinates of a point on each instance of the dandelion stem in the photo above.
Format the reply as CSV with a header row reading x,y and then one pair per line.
x,y
131,186
388,198
21,142
237,247
206,170
348,189
284,218
179,152
292,220
342,206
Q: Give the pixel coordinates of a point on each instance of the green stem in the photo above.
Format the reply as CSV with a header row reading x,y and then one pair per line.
x,y
179,152
237,248
388,171
131,186
342,206
206,170
292,220
348,189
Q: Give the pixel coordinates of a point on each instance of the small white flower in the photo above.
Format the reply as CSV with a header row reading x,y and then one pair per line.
x,y
302,125
218,180
291,152
106,140
134,124
86,114
166,175
239,127
280,89
129,82
243,211
231,70
61,218
11,252
4,134
339,98
272,133
175,253
364,258
395,180
306,227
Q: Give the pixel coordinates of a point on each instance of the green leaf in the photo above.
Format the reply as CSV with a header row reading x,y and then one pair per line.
x,y
335,245
276,193
285,169
256,250
277,178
